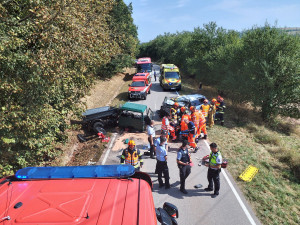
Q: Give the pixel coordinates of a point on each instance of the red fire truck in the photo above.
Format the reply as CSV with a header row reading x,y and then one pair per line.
x,y
87,195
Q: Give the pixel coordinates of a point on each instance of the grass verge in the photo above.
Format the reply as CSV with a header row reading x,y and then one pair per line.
x,y
274,193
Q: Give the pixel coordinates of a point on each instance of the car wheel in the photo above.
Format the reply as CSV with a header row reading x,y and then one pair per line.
x,y
149,92
145,96
179,88
98,126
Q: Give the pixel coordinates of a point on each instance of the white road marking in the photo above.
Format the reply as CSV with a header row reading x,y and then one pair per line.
x,y
112,141
236,194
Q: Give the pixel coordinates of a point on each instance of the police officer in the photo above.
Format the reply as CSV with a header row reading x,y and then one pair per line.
x,y
214,169
183,162
132,156
151,138
156,143
162,166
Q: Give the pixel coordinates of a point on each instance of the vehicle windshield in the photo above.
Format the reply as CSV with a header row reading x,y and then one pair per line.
x,y
144,67
173,75
138,84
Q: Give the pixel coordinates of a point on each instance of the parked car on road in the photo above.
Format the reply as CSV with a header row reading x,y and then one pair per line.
x,y
183,100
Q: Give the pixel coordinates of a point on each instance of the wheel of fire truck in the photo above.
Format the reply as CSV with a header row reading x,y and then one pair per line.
x,y
98,127
149,92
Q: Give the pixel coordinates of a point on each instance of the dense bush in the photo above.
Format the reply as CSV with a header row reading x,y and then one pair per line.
x,y
260,65
50,53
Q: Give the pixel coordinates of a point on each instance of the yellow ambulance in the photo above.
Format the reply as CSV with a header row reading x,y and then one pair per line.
x,y
170,77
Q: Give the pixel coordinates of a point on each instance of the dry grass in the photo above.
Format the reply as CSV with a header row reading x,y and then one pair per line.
x,y
245,140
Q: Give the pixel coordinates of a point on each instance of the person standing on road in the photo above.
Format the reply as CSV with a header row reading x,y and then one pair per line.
x,y
155,75
132,156
157,142
165,126
214,169
220,105
162,166
211,113
151,138
191,134
183,162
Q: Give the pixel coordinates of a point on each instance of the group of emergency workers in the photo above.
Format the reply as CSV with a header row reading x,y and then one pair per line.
x,y
190,125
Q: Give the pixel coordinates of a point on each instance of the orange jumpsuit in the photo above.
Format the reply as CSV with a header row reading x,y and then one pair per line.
x,y
195,117
202,125
183,125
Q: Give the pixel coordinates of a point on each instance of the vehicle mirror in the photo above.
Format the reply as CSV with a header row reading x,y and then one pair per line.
x,y
163,217
171,209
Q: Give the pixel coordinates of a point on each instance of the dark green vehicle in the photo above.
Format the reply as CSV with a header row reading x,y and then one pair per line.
x,y
135,116
130,115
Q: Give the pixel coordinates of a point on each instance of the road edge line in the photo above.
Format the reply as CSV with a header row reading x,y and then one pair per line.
x,y
112,141
251,220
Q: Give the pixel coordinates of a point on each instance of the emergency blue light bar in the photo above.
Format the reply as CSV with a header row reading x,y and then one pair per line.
x,y
64,172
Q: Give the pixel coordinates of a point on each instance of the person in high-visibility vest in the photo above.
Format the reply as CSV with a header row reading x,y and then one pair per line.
x,y
174,111
220,105
195,116
212,112
165,126
132,156
214,169
202,126
204,109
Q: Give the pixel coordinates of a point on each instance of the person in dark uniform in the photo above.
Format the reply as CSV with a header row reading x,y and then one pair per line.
x,y
162,166
183,161
156,143
214,169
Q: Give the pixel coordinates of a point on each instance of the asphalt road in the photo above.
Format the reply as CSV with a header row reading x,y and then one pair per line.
x,y
197,207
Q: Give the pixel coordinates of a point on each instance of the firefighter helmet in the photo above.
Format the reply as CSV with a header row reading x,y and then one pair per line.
x,y
131,143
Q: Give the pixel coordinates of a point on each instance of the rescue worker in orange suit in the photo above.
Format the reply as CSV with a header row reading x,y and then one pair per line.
x,y
191,134
220,105
165,126
183,124
132,156
181,113
204,109
202,126
195,117
211,113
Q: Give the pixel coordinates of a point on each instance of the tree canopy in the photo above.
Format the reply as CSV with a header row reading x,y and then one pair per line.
x,y
50,54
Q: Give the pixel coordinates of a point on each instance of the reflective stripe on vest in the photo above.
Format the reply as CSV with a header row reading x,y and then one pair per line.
x,y
163,125
195,118
132,159
202,119
213,159
205,109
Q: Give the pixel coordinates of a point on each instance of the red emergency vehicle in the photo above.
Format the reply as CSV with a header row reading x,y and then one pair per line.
x,y
89,195
144,65
140,86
